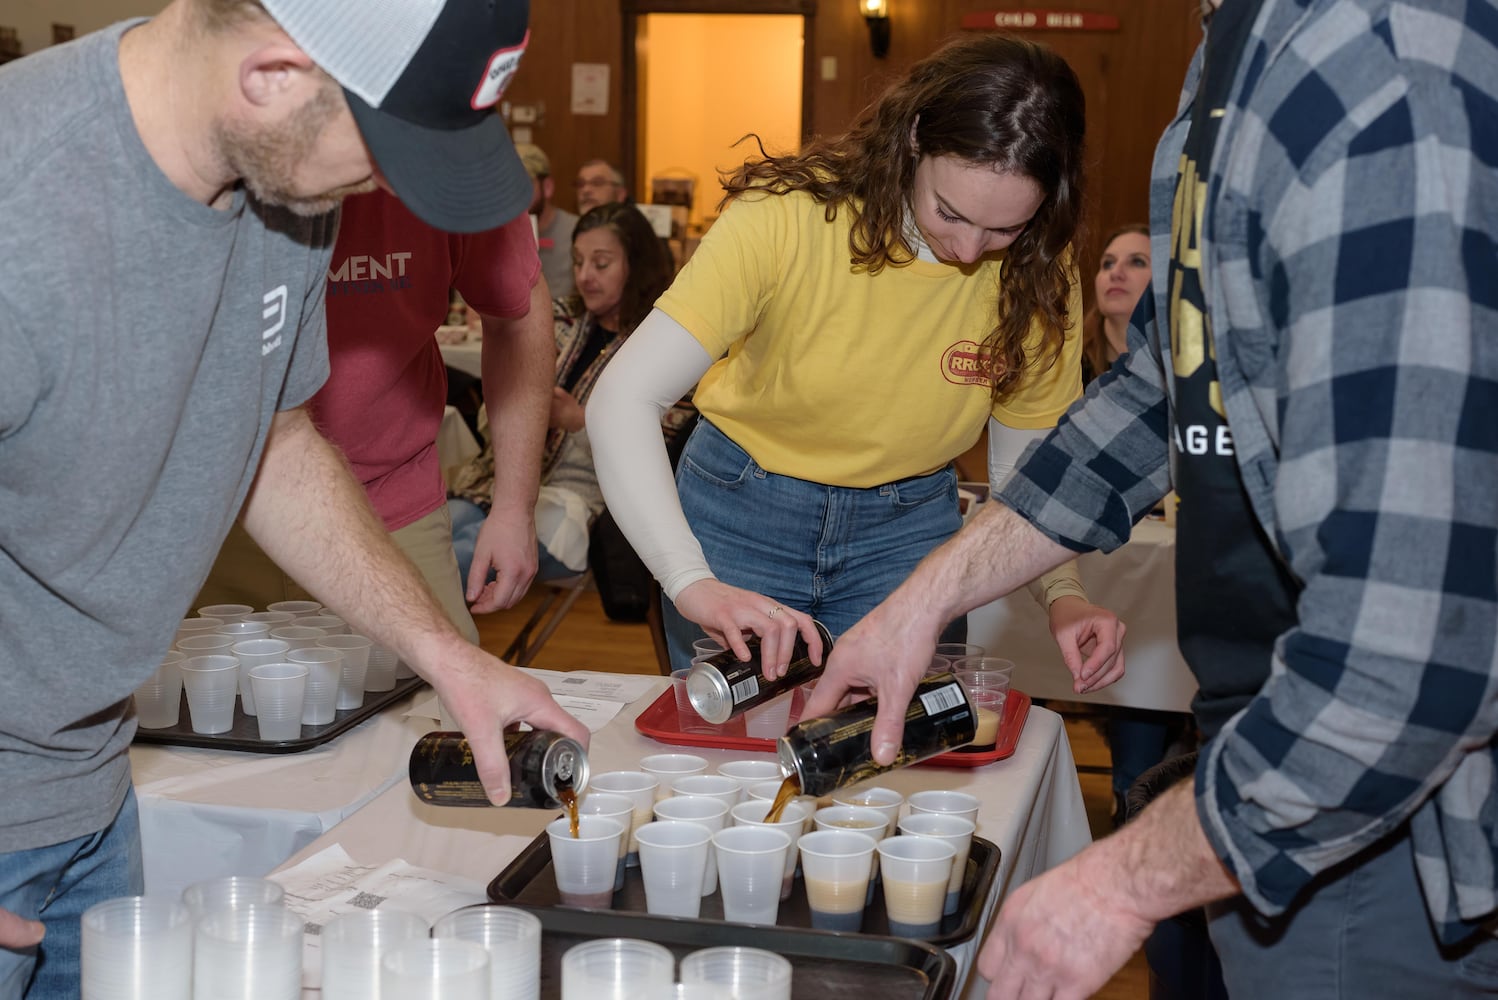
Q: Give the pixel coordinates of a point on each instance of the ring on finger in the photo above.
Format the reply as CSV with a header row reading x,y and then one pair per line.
x,y
773,611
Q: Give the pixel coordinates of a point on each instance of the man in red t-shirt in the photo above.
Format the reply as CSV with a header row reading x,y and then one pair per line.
x,y
388,291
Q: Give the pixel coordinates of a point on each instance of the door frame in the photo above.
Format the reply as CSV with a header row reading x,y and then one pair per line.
x,y
632,117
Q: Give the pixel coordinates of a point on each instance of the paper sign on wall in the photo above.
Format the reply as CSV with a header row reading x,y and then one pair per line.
x,y
590,88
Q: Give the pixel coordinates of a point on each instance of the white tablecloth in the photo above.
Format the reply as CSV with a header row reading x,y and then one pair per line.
x,y
1137,583
209,813
465,357
1032,809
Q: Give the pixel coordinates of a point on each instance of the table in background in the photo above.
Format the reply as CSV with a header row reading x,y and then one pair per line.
x,y
209,813
1031,808
1135,582
466,357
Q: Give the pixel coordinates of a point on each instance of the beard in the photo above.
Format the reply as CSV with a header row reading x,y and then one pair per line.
x,y
266,159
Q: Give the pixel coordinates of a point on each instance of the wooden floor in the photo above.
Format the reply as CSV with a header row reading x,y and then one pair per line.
x,y
587,639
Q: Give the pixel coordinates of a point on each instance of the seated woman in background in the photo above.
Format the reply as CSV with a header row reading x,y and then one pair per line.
x,y
620,268
1123,273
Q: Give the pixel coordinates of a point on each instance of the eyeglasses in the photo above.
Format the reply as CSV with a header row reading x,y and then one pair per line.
x,y
594,182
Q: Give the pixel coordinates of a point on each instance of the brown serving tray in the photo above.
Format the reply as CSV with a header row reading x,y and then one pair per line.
x,y
244,734
530,881
823,963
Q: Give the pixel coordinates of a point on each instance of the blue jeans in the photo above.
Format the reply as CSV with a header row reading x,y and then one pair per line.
x,y
1359,930
56,885
468,517
832,552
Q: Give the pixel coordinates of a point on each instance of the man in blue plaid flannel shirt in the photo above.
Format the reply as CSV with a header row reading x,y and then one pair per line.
x,y
1316,373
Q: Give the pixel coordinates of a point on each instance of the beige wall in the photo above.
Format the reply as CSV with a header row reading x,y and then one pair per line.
x,y
707,82
33,19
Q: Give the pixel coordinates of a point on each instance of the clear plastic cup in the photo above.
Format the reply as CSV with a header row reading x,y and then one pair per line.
x,y
915,873
158,702
251,952
324,671
673,857
751,866
792,823
951,829
708,786
621,810
746,973
381,673
353,944
942,801
298,608
275,619
750,772
618,969
212,684
639,788
242,630
209,895
770,720
205,643
251,653
297,636
710,814
435,969
986,680
862,819
687,718
886,800
226,612
836,866
281,693
667,767
137,948
330,624
705,647
511,936
355,650
585,864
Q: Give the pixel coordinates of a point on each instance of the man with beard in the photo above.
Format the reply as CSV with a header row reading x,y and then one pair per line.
x,y
553,224
167,187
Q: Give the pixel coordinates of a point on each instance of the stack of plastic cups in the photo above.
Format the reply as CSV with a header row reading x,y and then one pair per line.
x,y
214,894
354,943
251,653
618,969
746,973
512,937
436,969
137,948
355,667
251,952
158,702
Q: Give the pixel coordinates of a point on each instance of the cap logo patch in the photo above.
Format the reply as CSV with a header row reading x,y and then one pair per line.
x,y
498,74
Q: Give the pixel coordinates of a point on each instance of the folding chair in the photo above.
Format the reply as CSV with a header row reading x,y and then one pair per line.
x,y
562,593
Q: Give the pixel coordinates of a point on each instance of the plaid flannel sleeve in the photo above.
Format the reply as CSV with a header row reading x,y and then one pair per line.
x,y
1106,464
1370,235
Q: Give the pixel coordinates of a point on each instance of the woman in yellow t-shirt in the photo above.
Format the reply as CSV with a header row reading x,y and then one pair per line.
x,y
855,315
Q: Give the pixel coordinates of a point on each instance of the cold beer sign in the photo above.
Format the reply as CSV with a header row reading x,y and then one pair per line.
x,y
1039,20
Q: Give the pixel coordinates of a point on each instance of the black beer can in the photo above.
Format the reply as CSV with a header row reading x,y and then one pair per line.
x,y
836,751
723,686
543,765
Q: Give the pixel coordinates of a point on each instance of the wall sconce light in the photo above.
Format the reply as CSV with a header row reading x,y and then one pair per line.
x,y
876,16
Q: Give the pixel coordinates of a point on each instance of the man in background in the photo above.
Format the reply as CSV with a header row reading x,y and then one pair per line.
x,y
553,225
169,189
599,182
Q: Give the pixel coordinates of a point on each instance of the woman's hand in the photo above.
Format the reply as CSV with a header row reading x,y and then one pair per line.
x,y
1091,642
726,613
566,413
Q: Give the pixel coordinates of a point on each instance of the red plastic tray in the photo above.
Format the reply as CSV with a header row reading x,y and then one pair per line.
x,y
662,722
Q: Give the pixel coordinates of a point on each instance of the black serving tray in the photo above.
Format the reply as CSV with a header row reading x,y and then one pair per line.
x,y
530,881
244,734
823,963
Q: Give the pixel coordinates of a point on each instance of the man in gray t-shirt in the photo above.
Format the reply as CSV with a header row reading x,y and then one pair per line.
x,y
553,225
168,188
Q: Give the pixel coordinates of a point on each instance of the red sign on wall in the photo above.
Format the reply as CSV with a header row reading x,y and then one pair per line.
x,y
1031,19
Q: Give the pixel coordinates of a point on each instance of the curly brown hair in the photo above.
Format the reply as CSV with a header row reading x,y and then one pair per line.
x,y
989,99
